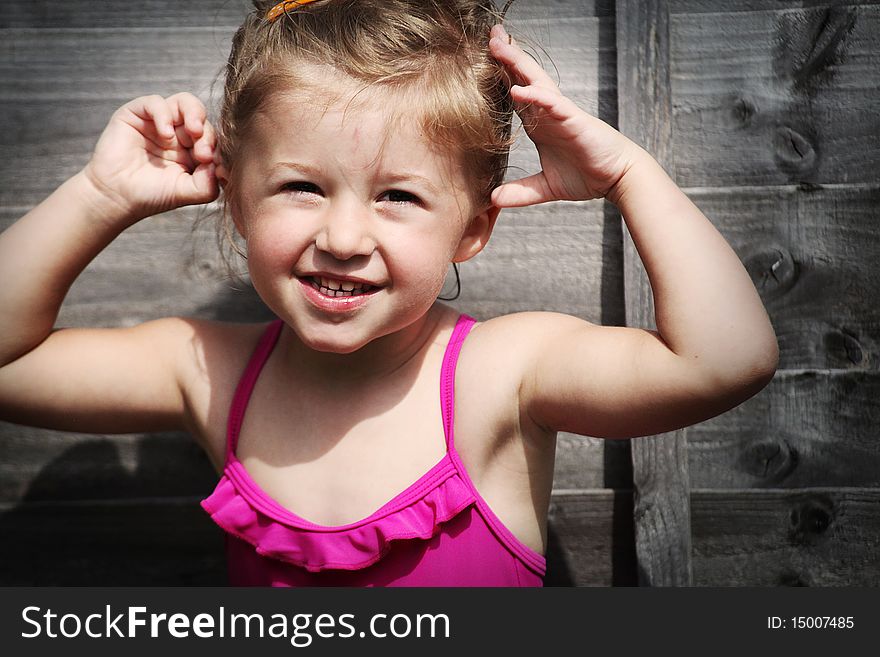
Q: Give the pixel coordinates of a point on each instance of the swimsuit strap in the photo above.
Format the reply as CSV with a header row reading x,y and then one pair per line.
x,y
447,375
246,383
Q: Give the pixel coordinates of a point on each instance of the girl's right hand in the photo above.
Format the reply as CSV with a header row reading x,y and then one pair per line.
x,y
155,154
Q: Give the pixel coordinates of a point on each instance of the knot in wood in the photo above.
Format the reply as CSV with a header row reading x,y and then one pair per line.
x,y
773,271
809,519
770,461
795,153
843,348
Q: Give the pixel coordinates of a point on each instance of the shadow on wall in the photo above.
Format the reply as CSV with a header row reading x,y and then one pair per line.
x,y
96,517
87,520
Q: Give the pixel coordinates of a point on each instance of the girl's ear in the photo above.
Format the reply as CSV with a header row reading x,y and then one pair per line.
x,y
477,234
223,180
220,171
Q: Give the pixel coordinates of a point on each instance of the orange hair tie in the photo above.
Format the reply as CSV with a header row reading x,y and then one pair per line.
x,y
281,8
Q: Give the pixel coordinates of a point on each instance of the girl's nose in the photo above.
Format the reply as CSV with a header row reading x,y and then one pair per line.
x,y
346,233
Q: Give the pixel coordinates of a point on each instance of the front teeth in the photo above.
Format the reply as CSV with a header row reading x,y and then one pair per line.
x,y
334,288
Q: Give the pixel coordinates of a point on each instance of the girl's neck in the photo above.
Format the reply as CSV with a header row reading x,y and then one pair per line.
x,y
375,361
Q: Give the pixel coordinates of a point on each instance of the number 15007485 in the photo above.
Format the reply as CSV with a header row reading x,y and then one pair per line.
x,y
810,622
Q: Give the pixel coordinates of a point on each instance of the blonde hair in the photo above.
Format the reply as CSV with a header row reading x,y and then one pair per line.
x,y
435,52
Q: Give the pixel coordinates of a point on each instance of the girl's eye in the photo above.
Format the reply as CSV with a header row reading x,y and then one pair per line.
x,y
301,187
398,196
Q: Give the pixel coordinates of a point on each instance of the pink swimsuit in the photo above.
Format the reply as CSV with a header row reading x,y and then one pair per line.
x,y
437,532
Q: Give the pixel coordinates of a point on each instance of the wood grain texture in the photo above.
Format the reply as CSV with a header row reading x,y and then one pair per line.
x,y
806,537
714,6
812,254
57,64
112,14
590,539
806,428
660,476
776,97
159,267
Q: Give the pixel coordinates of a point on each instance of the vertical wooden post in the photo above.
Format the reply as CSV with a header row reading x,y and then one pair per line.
x,y
660,465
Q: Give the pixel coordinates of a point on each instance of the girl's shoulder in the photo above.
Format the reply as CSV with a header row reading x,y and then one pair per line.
x,y
214,355
499,355
511,340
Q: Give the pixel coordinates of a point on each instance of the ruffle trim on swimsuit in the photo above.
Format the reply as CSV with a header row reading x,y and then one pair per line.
x,y
242,509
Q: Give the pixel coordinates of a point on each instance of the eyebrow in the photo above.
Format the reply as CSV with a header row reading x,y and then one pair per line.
x,y
305,169
309,170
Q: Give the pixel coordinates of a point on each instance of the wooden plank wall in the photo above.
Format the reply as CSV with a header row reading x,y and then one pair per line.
x,y
768,126
766,114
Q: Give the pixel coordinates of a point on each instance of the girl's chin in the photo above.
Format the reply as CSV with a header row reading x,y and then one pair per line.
x,y
328,339
333,348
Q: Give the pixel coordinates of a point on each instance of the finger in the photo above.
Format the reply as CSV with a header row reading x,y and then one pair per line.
x,y
498,30
154,109
551,101
203,149
184,138
190,112
519,193
521,66
178,156
200,187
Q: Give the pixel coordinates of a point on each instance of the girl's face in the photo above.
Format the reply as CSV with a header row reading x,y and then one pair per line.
x,y
350,223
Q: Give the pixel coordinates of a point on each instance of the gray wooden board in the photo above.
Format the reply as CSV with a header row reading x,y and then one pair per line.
x,y
158,267
775,97
196,13
715,6
172,541
108,14
660,477
57,64
806,428
590,539
812,254
805,537
544,258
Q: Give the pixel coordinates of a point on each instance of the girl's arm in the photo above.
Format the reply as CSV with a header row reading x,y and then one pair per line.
x,y
155,154
714,346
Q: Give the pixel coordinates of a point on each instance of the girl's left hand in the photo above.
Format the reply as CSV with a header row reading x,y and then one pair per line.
x,y
581,156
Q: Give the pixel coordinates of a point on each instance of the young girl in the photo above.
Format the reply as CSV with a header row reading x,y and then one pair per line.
x,y
361,148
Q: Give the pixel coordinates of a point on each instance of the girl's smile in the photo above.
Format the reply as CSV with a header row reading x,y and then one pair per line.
x,y
334,295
